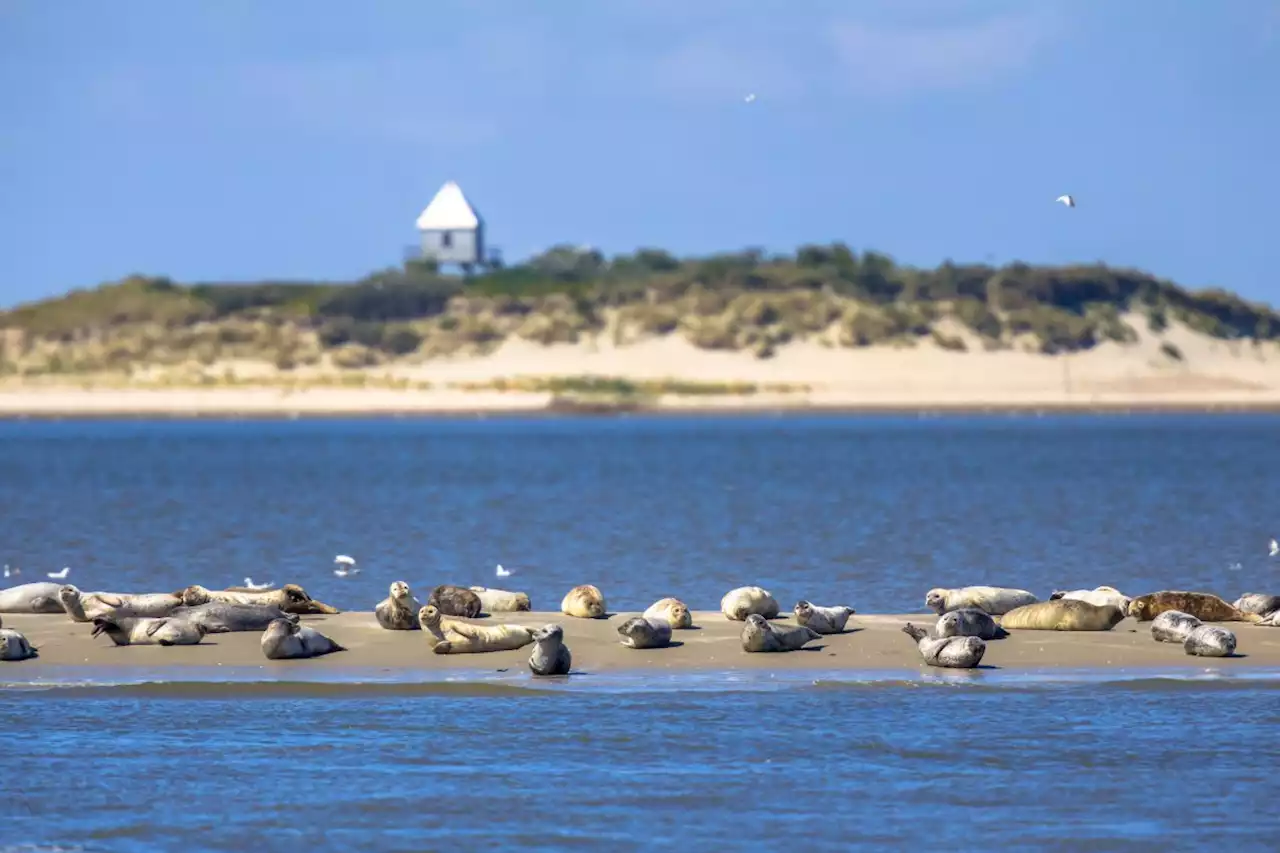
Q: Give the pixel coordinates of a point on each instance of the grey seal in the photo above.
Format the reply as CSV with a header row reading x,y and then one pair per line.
x,y
949,652
1210,641
641,633
399,610
1257,602
14,646
290,598
740,603
969,622
758,635
1173,626
502,600
219,617
995,600
146,631
824,620
285,640
550,655
1100,595
31,598
455,601
86,606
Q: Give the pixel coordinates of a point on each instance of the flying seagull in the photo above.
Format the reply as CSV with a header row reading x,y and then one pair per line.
x,y
57,576
750,98
1067,200
347,566
502,573
249,584
1275,548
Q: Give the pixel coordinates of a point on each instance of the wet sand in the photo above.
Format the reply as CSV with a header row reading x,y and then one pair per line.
x,y
873,642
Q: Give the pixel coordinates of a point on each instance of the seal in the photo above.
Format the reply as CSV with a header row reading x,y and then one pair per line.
x,y
147,631
219,617
673,610
584,602
501,600
824,620
1210,641
31,598
969,622
1173,626
550,655
399,610
1101,596
640,632
86,606
759,635
1202,605
995,600
948,652
451,637
455,601
1257,602
14,646
1062,614
290,598
740,603
285,640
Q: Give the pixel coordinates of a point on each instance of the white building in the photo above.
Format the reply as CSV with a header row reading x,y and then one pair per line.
x,y
451,230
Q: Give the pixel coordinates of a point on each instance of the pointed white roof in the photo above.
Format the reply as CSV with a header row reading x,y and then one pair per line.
x,y
448,211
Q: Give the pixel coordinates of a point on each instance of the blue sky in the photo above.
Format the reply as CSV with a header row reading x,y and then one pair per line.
x,y
241,139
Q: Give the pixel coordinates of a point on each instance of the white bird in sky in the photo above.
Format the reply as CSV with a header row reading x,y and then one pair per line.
x,y
1275,548
1067,200
347,566
750,98
57,576
501,572
249,584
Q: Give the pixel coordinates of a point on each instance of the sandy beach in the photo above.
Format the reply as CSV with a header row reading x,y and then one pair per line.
x,y
873,642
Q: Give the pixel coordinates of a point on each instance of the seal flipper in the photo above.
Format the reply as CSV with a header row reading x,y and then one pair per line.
x,y
45,604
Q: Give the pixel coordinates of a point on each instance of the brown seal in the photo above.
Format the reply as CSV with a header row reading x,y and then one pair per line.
x,y
1202,605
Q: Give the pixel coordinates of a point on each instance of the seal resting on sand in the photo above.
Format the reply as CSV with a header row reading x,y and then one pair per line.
x,y
31,598
399,610
219,617
759,635
584,602
86,606
14,646
949,652
1202,605
451,637
1210,641
1062,614
148,631
1173,626
550,655
455,601
290,598
640,632
740,603
673,610
502,600
285,640
969,622
824,620
1100,595
995,600
1257,602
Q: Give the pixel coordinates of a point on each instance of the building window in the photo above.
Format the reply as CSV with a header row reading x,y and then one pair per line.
x,y
446,239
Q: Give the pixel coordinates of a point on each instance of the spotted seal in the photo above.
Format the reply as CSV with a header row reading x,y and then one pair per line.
x,y
147,631
14,646
399,610
290,598
31,598
1062,614
550,656
453,637
584,602
219,617
949,652
640,632
1257,602
1202,605
824,620
1210,641
1101,596
1173,626
455,601
995,600
86,606
285,640
742,602
969,622
759,635
673,610
502,600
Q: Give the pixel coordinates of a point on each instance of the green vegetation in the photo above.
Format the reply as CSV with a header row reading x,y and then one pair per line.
x,y
743,301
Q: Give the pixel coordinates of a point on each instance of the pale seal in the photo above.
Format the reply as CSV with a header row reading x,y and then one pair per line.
x,y
1173,626
949,652
673,610
502,600
824,620
1210,641
1062,614
969,622
1100,596
448,636
219,617
399,610
759,635
285,640
550,655
86,606
455,601
14,646
147,631
740,603
1257,602
31,598
995,600
290,598
584,602
641,632
1202,605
